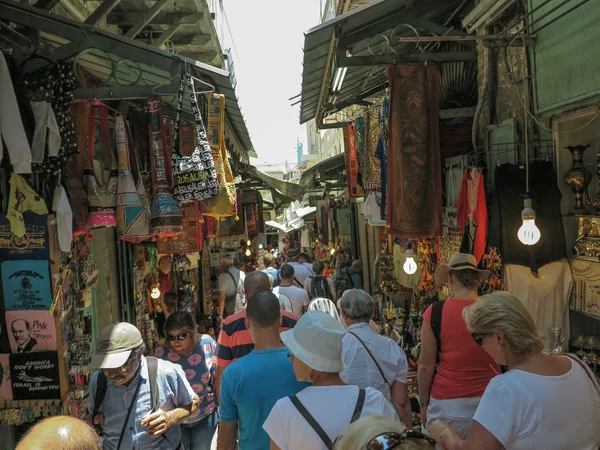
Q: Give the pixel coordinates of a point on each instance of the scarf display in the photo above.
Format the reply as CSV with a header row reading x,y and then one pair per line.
x,y
165,215
190,240
371,166
471,211
414,207
354,190
133,220
361,130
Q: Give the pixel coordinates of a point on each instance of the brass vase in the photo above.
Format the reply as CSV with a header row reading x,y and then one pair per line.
x,y
595,202
578,178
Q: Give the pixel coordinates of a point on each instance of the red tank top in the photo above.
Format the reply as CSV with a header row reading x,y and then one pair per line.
x,y
465,369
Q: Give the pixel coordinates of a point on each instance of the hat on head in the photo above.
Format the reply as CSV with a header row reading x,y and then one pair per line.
x,y
304,255
293,253
114,345
316,340
459,261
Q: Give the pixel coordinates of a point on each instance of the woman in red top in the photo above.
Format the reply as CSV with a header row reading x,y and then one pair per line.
x,y
452,391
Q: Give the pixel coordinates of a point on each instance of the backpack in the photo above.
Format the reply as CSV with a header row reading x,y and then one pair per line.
x,y
319,288
436,325
343,282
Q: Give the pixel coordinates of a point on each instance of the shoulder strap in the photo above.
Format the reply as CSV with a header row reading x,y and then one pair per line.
x,y
312,422
585,369
436,324
360,402
131,406
372,357
101,385
152,378
298,282
235,283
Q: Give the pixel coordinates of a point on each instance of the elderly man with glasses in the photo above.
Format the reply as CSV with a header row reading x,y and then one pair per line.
x,y
138,402
372,360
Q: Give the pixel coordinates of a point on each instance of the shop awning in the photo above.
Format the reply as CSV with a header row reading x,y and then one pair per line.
x,y
289,190
142,70
345,58
331,169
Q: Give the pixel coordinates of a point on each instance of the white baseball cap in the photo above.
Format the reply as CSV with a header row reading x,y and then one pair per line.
x,y
115,344
316,340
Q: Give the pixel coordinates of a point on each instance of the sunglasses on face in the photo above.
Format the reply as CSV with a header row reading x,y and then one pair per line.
x,y
179,337
390,440
478,337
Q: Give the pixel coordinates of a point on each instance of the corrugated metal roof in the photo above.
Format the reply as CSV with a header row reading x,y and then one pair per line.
x,y
359,79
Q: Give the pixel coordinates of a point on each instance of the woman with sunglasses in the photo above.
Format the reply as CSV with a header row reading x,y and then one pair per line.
x,y
453,375
548,402
194,354
381,433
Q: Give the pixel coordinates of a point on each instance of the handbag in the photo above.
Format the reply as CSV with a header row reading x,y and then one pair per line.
x,y
194,177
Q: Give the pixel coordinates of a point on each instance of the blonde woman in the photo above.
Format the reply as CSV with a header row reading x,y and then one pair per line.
x,y
543,402
381,433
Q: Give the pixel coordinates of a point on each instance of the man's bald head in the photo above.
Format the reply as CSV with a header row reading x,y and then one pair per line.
x,y
60,433
256,282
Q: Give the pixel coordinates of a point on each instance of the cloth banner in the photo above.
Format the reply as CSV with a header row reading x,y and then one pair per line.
x,y
31,331
190,241
414,205
32,245
26,285
371,169
35,376
350,141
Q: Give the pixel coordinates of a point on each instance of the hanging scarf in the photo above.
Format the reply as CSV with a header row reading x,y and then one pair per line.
x,y
371,166
354,190
190,240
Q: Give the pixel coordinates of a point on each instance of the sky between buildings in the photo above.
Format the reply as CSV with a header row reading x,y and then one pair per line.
x,y
268,40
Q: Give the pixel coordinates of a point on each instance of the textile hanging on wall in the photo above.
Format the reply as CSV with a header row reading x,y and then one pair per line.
x,y
31,331
35,376
371,166
133,220
190,240
382,153
471,211
32,245
361,139
26,285
414,167
22,198
77,195
371,209
165,216
354,190
216,138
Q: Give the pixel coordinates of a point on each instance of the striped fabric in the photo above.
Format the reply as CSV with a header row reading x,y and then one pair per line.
x,y
235,340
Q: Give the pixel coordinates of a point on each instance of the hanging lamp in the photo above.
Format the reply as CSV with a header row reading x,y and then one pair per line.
x,y
410,265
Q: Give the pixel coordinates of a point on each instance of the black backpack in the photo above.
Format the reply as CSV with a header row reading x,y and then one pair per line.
x,y
319,288
436,325
343,282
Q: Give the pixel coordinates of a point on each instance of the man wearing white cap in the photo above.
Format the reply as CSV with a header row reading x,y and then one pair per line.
x,y
144,399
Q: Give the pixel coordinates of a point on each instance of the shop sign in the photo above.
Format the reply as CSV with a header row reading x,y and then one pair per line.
x,y
33,244
31,331
26,285
35,376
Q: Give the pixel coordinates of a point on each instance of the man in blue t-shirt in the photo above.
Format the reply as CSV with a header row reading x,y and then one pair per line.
x,y
252,385
268,260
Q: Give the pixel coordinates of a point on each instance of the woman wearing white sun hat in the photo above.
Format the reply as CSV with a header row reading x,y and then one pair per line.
x,y
317,415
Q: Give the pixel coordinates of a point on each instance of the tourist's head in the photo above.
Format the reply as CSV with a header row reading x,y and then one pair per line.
x,y
356,306
60,433
170,299
318,268
256,282
501,324
268,260
315,346
181,332
293,254
357,266
262,312
287,273
461,273
226,263
380,432
303,258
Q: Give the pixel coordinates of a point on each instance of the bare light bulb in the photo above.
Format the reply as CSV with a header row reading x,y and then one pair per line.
x,y
248,243
260,246
155,293
248,252
332,251
410,266
529,233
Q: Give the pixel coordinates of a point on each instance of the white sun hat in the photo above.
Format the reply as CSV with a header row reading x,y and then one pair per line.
x,y
316,340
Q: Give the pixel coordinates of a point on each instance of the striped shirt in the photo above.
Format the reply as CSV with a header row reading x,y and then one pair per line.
x,y
235,340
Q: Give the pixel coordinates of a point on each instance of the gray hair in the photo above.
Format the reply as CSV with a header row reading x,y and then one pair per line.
x,y
227,261
357,264
357,305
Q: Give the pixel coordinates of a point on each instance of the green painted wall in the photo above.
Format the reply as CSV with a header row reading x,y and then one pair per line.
x,y
566,61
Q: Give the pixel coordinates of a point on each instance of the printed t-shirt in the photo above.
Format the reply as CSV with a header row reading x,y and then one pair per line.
x,y
465,369
298,297
331,406
235,340
249,390
274,273
525,411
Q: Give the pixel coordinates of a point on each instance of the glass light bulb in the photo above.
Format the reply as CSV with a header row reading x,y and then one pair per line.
x,y
248,243
260,246
410,266
529,233
155,293
248,252
332,251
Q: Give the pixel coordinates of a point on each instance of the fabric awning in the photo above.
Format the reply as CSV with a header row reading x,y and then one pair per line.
x,y
329,165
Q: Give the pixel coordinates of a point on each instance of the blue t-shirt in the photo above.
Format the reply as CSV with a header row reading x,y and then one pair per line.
x,y
274,273
250,388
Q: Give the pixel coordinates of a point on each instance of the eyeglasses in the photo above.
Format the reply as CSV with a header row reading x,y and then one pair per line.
x,y
290,355
389,440
179,337
478,337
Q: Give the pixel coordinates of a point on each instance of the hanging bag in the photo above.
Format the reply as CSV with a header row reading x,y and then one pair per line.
x,y
194,177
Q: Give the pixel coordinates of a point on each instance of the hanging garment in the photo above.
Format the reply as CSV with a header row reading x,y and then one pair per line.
x,y
372,169
194,177
371,209
56,85
102,199
382,154
546,296
78,198
507,204
354,190
12,131
304,240
22,94
361,141
409,281
46,131
414,167
22,198
133,220
64,219
471,211
165,217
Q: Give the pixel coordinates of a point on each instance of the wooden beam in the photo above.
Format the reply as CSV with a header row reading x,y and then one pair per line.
x,y
457,112
101,12
145,19
333,125
46,5
433,27
70,50
384,60
130,18
193,39
167,34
